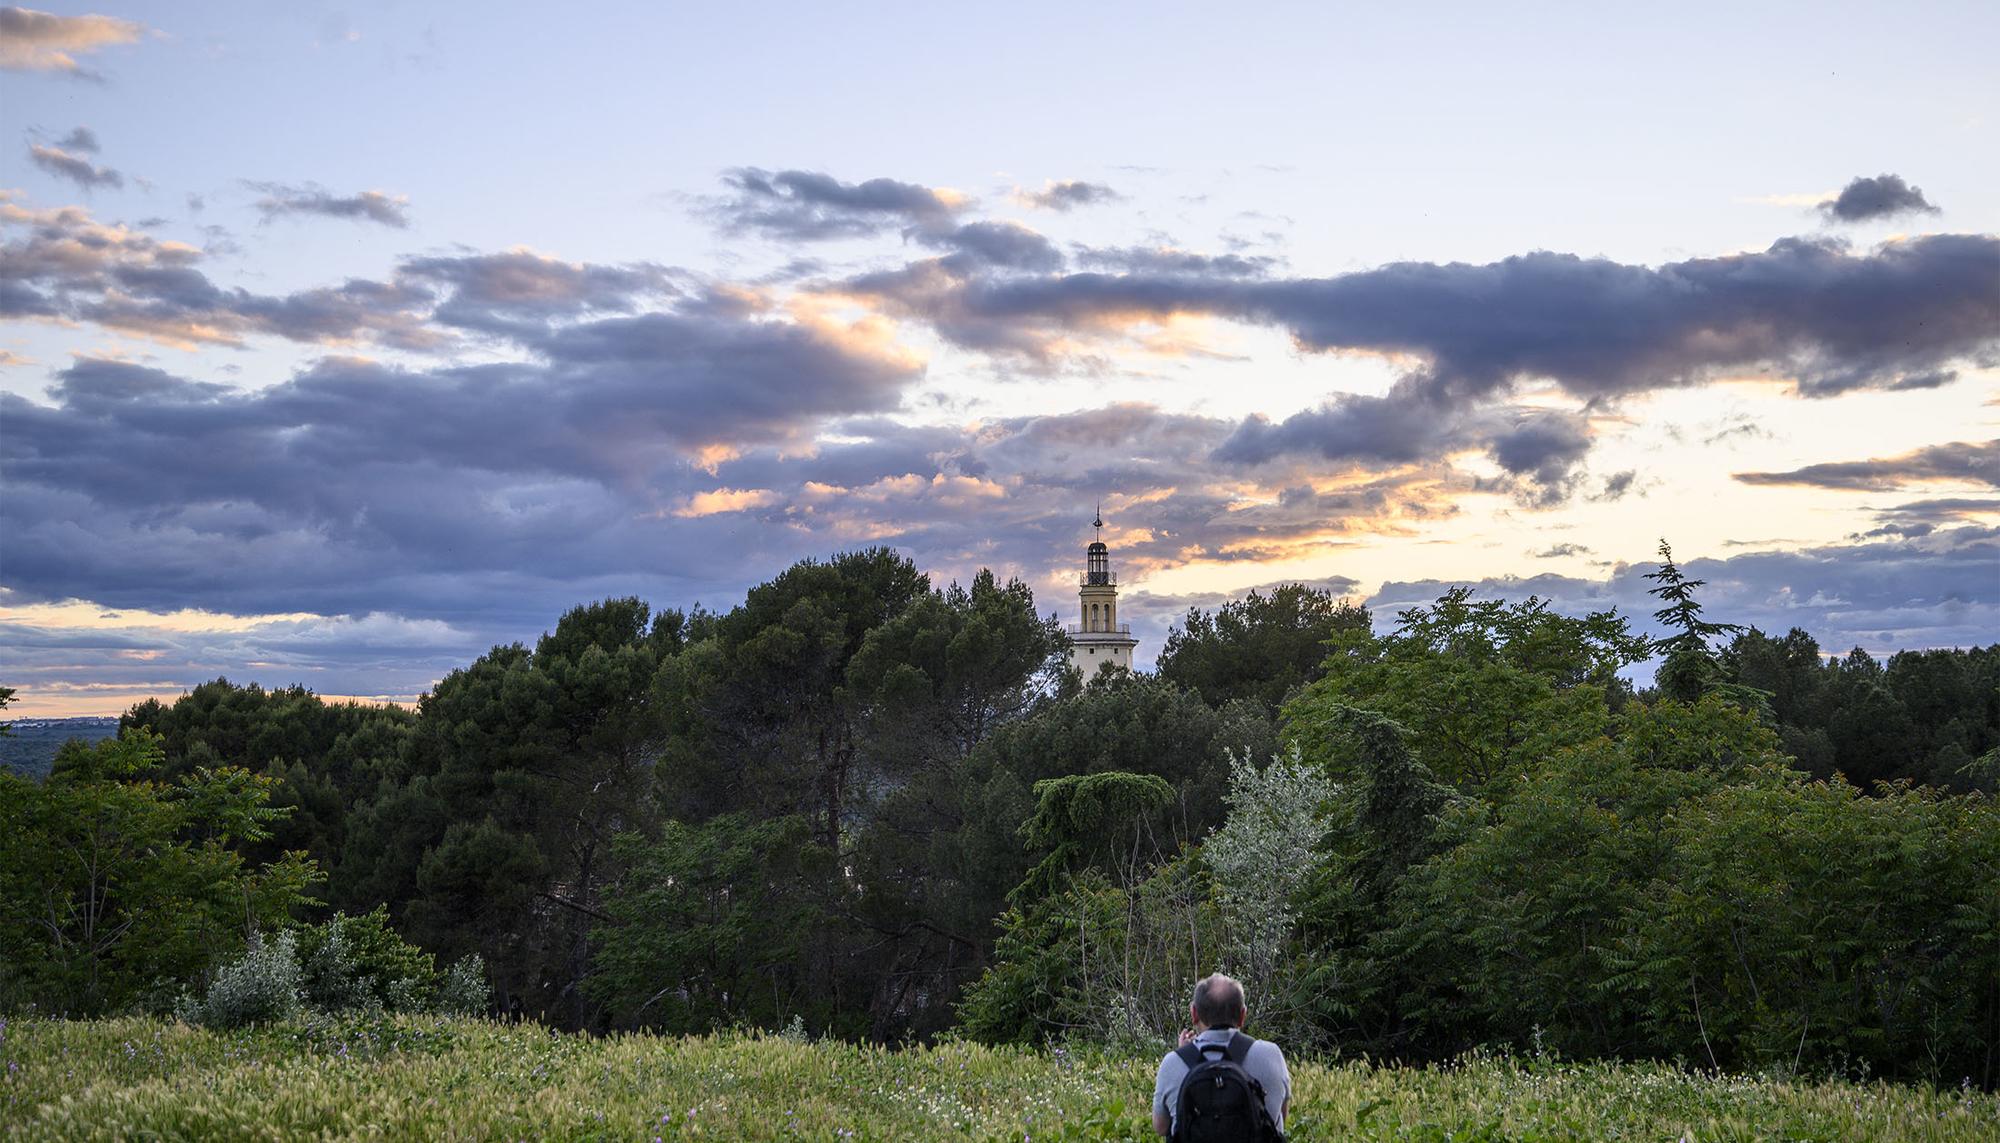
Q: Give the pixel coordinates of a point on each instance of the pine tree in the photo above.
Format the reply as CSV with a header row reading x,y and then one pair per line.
x,y
1691,667
1682,610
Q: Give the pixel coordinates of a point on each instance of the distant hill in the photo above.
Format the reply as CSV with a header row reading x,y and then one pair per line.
x,y
30,744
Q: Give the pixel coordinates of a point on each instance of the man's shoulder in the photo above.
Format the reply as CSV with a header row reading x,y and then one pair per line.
x,y
1266,1061
1267,1046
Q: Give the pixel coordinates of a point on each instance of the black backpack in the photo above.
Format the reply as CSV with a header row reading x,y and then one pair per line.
x,y
1219,1101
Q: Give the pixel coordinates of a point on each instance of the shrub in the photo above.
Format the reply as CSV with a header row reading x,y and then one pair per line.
x,y
361,962
464,991
333,977
405,995
264,985
347,965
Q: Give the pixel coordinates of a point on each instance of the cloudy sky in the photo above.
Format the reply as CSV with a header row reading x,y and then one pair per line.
x,y
341,342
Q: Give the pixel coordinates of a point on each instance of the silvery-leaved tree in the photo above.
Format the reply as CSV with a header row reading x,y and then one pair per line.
x,y
1260,856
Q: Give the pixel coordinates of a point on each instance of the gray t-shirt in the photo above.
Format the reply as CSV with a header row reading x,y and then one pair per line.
x,y
1265,1063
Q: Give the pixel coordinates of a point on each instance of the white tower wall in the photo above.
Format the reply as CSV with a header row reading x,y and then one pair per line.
x,y
1098,637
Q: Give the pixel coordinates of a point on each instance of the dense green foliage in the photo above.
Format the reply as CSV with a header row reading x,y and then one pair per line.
x,y
346,965
863,806
1261,647
326,756
1485,689
521,771
1678,890
1520,851
426,1078
119,888
1926,716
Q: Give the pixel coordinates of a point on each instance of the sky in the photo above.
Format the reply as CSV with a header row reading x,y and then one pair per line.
x,y
341,343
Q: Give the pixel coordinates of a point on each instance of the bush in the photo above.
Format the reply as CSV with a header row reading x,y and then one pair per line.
x,y
332,980
263,986
360,963
463,991
348,965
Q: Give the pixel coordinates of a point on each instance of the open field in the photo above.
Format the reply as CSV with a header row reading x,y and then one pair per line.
x,y
425,1078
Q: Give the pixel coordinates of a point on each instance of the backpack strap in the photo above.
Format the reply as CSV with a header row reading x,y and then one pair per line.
x,y
1234,1049
1238,1046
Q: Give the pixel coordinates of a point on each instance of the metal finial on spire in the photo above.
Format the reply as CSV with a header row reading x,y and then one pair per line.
x,y
1097,522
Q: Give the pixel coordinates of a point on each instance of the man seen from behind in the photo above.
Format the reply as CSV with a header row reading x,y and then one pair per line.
x,y
1219,1083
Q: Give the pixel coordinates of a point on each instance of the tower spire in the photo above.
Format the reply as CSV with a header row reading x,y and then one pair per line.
x,y
1100,638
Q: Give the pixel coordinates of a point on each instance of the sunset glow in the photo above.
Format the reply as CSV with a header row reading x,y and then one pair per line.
x,y
338,346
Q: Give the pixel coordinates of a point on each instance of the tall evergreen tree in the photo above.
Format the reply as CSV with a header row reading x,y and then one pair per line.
x,y
1690,668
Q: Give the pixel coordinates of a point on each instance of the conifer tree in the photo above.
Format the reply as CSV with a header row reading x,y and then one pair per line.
x,y
1691,667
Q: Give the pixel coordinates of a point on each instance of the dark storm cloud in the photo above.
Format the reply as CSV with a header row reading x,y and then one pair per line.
x,y
1815,312
1397,429
1067,195
76,169
281,200
1934,590
1827,318
1961,461
811,206
355,486
1539,451
1883,196
95,384
1000,245
1542,445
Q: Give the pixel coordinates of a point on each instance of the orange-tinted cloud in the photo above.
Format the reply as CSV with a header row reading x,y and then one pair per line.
x,y
42,41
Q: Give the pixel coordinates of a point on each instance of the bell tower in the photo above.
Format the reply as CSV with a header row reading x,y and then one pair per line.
x,y
1099,638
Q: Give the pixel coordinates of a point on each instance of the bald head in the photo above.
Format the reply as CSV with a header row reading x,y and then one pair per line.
x,y
1218,1002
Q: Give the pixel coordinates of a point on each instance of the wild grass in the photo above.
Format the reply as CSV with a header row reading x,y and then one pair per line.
x,y
435,1078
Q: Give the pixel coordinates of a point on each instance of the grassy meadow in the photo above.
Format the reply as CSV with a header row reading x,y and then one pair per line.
x,y
413,1078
